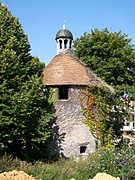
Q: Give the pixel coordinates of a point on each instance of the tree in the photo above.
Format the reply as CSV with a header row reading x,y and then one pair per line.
x,y
111,56
25,111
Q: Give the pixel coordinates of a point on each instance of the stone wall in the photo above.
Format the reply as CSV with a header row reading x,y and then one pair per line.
x,y
71,136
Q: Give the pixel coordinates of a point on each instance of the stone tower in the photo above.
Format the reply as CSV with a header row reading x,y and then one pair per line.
x,y
69,77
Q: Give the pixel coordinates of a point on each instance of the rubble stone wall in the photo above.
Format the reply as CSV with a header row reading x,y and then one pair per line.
x,y
73,136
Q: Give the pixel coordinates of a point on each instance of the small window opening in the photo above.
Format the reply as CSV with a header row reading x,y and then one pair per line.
x,y
70,44
83,149
63,92
60,41
133,118
65,43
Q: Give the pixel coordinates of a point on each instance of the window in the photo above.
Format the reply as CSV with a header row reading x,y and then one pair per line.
x,y
83,149
63,92
65,43
60,41
133,125
133,118
70,44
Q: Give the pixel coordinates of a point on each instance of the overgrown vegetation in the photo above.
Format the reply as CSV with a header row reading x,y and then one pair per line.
x,y
116,162
104,113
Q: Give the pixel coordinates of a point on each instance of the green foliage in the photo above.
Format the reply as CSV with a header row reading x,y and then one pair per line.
x,y
102,115
25,111
8,163
111,56
117,162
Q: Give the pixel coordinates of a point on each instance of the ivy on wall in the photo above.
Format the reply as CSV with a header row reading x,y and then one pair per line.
x,y
103,113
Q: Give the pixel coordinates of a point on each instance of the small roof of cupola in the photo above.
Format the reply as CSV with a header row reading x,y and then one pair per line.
x,y
64,33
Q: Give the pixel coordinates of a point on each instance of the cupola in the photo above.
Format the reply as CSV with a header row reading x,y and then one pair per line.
x,y
63,39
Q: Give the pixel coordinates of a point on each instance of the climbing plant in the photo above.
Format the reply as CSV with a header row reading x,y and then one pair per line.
x,y
103,112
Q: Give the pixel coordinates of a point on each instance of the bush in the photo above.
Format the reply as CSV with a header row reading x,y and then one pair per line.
x,y
7,163
118,162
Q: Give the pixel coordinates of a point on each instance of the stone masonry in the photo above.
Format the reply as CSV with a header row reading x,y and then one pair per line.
x,y
73,136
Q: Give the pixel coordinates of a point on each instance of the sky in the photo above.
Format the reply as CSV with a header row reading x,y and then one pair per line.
x,y
42,19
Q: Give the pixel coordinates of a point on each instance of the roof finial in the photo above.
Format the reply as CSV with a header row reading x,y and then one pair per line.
x,y
64,24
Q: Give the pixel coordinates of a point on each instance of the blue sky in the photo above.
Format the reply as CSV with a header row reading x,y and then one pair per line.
x,y
41,19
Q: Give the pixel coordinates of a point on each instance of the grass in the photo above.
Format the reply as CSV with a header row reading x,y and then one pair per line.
x,y
117,162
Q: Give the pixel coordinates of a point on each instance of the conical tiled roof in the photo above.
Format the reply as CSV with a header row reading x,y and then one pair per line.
x,y
66,69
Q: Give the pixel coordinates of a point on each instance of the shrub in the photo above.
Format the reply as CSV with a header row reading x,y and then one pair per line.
x,y
118,162
7,163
